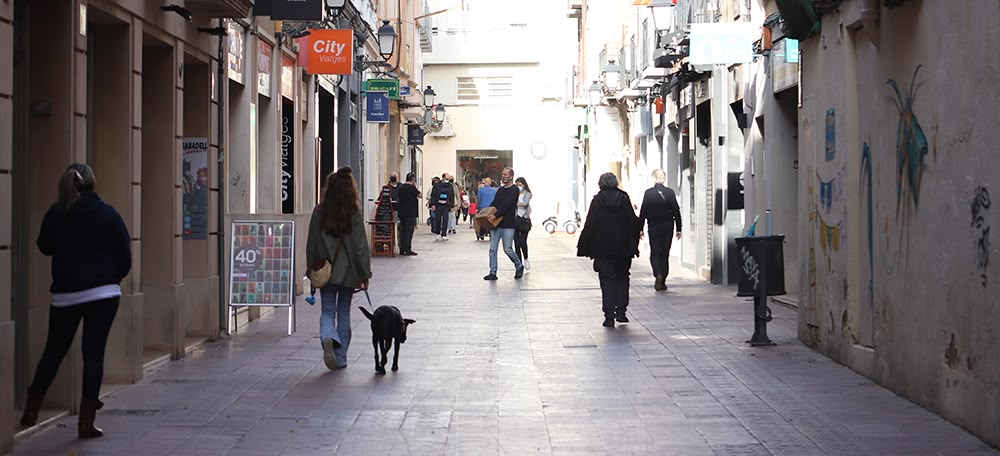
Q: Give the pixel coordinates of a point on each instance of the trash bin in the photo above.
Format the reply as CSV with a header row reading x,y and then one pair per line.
x,y
755,253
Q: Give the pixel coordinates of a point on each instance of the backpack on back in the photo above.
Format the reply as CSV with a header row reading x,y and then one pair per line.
x,y
442,193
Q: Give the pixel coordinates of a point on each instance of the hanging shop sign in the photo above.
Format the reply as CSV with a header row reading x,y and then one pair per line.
x,y
237,47
288,158
414,135
263,68
287,77
330,52
296,10
718,43
195,198
377,107
389,86
784,71
262,8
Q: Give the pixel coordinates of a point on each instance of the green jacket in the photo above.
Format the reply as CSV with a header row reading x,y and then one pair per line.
x,y
354,262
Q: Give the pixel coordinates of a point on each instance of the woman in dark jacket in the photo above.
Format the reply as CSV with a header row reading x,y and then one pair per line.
x,y
337,235
611,237
91,254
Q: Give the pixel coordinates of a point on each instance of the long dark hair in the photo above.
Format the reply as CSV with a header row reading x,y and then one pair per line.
x,y
78,178
340,202
524,183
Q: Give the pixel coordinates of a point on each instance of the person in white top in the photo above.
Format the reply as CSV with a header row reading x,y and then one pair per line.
x,y
91,254
523,221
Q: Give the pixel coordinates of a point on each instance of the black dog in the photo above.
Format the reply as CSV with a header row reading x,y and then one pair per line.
x,y
387,325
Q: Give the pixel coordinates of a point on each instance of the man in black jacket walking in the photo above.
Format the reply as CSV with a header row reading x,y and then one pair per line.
x,y
408,196
611,237
659,207
506,206
443,200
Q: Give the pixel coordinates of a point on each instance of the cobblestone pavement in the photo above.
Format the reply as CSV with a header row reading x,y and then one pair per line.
x,y
515,367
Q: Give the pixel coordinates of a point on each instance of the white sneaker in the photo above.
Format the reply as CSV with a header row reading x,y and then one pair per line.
x,y
527,265
437,238
444,238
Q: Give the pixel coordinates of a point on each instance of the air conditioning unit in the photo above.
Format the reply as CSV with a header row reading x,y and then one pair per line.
x,y
446,131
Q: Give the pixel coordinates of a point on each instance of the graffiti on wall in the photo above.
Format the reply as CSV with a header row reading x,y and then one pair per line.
x,y
831,208
866,181
980,206
911,143
831,134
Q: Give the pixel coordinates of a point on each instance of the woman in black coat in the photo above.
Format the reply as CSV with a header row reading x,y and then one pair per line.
x,y
611,237
91,254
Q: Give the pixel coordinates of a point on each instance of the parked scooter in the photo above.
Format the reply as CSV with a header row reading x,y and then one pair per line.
x,y
551,224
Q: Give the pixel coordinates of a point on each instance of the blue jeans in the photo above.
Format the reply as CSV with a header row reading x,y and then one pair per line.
x,y
335,319
508,240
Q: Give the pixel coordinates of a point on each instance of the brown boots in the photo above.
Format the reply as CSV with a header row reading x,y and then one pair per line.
x,y
31,407
660,284
88,411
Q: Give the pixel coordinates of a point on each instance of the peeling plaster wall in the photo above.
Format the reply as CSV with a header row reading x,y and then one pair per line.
x,y
897,279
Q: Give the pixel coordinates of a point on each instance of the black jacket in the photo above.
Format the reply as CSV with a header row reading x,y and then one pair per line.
x,y
408,200
506,204
611,229
89,245
443,191
659,206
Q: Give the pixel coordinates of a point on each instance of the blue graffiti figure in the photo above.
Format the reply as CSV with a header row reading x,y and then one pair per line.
x,y
911,144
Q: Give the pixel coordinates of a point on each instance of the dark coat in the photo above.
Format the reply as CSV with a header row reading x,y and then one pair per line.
x,y
408,200
506,204
659,206
612,228
89,245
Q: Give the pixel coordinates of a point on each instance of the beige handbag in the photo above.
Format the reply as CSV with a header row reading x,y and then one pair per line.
x,y
319,278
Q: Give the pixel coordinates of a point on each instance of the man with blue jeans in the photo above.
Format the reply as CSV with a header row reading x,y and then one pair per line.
x,y
505,203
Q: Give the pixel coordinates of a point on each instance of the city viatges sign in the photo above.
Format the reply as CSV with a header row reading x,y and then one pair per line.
x,y
330,51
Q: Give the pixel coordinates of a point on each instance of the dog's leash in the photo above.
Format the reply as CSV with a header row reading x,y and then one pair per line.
x,y
369,298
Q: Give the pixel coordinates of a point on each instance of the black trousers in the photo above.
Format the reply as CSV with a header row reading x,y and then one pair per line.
x,y
406,227
97,317
441,215
613,274
521,244
659,253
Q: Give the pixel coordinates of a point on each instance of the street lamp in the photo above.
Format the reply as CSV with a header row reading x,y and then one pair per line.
x,y
596,93
612,75
429,98
386,40
386,45
334,6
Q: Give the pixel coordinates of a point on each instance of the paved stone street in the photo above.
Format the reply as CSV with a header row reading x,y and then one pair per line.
x,y
515,368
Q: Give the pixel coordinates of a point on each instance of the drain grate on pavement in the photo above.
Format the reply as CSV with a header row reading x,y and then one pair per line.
x,y
131,412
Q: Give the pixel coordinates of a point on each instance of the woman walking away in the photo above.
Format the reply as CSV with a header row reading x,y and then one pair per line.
x,y
337,236
611,237
523,222
91,254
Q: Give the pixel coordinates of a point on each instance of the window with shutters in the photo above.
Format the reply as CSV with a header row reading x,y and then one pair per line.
x,y
485,90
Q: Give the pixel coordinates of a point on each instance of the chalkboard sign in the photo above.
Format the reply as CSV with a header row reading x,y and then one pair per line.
x,y
384,212
384,226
